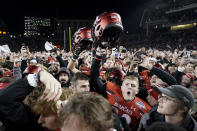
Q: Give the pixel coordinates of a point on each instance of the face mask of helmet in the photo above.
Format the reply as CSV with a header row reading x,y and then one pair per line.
x,y
82,39
86,45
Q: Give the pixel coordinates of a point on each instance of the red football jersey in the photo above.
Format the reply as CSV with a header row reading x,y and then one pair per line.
x,y
3,85
132,111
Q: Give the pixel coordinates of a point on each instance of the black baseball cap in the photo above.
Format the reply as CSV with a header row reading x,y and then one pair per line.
x,y
180,92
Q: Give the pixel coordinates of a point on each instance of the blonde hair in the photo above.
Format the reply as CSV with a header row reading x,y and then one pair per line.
x,y
93,110
133,78
39,106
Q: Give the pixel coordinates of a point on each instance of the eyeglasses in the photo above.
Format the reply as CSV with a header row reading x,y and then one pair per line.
x,y
167,99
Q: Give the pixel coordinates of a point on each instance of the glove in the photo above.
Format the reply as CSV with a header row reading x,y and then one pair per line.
x,y
76,54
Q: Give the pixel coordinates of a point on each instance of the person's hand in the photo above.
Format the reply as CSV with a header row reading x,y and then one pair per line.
x,y
184,61
17,63
57,51
146,64
175,55
100,51
162,55
156,53
27,49
53,88
133,66
76,53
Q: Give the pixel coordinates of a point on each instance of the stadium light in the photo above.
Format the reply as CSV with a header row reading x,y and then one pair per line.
x,y
182,27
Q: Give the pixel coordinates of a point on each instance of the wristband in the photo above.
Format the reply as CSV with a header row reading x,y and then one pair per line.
x,y
97,59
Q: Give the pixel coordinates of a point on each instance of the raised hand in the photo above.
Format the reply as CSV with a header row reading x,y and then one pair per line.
x,y
146,63
100,51
53,88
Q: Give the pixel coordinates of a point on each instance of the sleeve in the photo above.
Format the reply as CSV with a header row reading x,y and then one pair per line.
x,y
17,73
60,60
144,122
164,76
140,127
178,76
94,75
16,91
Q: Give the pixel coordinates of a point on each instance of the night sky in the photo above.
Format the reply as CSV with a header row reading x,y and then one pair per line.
x,y
13,12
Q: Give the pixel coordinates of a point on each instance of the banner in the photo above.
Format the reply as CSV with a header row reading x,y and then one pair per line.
x,y
5,49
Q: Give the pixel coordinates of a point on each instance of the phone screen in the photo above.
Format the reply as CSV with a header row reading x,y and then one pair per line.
x,y
116,55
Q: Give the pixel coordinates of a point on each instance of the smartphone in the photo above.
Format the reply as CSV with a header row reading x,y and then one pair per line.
x,y
116,55
188,54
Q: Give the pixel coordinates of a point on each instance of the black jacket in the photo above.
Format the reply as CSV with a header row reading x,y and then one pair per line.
x,y
164,76
179,76
153,116
96,81
14,114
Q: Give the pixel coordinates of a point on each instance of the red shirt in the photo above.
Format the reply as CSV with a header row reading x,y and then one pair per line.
x,y
132,111
3,85
146,79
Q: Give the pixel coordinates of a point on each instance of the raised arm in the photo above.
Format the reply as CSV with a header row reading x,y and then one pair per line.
x,y
18,90
163,75
17,70
59,59
71,66
95,73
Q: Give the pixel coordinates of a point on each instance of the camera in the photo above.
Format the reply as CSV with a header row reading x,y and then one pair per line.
x,y
116,55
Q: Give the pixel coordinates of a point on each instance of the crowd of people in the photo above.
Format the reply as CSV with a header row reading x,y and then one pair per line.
x,y
99,85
